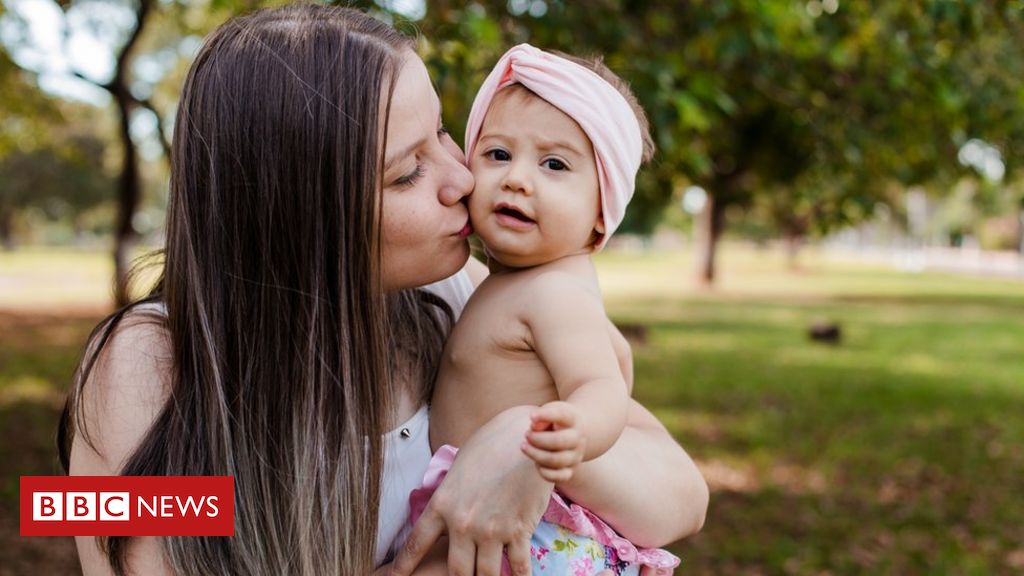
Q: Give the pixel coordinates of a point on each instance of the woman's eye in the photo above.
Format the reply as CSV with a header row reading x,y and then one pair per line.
x,y
499,155
555,164
442,131
410,178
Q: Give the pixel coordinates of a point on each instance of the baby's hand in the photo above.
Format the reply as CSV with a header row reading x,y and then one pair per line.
x,y
554,441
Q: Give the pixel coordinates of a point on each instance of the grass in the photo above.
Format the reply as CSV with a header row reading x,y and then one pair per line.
x,y
899,451
40,278
38,352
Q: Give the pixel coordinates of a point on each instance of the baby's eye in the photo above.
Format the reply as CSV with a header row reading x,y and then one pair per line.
x,y
555,164
499,155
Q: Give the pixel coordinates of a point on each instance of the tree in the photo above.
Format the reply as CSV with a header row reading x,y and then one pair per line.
x,y
62,179
131,94
821,106
811,108
939,72
118,86
25,117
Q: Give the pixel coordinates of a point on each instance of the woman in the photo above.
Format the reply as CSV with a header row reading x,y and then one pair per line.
x,y
313,190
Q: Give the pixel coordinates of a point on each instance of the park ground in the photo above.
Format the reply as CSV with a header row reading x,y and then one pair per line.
x,y
899,450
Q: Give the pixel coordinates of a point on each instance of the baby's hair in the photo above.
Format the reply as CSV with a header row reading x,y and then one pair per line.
x,y
596,65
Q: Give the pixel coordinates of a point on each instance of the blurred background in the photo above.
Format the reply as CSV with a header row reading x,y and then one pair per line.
x,y
821,272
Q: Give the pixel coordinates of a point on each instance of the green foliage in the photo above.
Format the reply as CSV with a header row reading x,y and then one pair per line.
x,y
62,179
818,106
48,160
24,110
807,112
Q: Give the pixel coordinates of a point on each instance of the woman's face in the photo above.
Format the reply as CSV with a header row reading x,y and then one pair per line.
x,y
425,222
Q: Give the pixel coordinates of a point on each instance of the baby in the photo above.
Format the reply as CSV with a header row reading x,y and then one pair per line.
x,y
554,144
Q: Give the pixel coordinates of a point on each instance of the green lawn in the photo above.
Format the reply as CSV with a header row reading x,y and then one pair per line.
x,y
899,451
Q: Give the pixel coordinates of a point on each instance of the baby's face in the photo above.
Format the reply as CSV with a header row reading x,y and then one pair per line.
x,y
536,197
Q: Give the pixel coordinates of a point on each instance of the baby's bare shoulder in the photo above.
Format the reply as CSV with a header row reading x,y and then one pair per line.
x,y
557,296
559,282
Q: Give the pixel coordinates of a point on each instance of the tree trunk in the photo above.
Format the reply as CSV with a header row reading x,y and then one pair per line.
x,y
7,230
128,199
710,225
129,187
794,240
1020,232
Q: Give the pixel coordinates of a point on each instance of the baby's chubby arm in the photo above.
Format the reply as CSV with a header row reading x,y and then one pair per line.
x,y
569,332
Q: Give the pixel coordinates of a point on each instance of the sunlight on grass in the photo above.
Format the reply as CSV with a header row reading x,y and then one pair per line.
x,y
36,277
877,455
897,451
58,277
29,389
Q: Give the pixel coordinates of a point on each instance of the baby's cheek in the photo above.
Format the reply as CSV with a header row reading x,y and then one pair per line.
x,y
477,206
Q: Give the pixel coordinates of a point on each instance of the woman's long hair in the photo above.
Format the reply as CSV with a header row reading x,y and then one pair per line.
x,y
283,348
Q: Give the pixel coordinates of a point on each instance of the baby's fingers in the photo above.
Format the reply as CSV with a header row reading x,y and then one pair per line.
x,y
559,414
546,459
557,441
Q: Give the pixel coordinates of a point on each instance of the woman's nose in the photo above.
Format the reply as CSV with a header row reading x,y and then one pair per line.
x,y
458,180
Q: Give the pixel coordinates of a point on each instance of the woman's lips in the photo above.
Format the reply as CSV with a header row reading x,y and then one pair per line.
x,y
466,230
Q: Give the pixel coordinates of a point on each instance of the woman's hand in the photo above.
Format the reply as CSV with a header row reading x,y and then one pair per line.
x,y
490,501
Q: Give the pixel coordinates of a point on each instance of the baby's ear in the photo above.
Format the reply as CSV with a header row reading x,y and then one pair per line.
x,y
599,225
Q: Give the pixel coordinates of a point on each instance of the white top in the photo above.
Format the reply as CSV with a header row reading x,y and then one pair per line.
x,y
406,448
407,454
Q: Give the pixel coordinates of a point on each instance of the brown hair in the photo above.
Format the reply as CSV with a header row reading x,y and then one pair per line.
x,y
281,335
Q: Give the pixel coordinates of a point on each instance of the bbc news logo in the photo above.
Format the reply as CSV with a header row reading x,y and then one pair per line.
x,y
51,506
127,506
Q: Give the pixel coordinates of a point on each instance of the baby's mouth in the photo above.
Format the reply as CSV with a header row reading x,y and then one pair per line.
x,y
514,213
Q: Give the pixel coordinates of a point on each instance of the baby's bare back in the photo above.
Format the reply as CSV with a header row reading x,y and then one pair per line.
x,y
490,363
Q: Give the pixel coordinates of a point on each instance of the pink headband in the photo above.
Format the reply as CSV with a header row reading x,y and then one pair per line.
x,y
599,109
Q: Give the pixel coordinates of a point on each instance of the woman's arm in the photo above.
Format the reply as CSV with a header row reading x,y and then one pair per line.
x,y
125,392
646,486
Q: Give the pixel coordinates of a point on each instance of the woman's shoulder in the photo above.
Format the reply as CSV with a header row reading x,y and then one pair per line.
x,y
125,390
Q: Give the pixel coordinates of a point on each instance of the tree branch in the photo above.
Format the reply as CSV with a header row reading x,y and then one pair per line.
x,y
148,104
122,59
